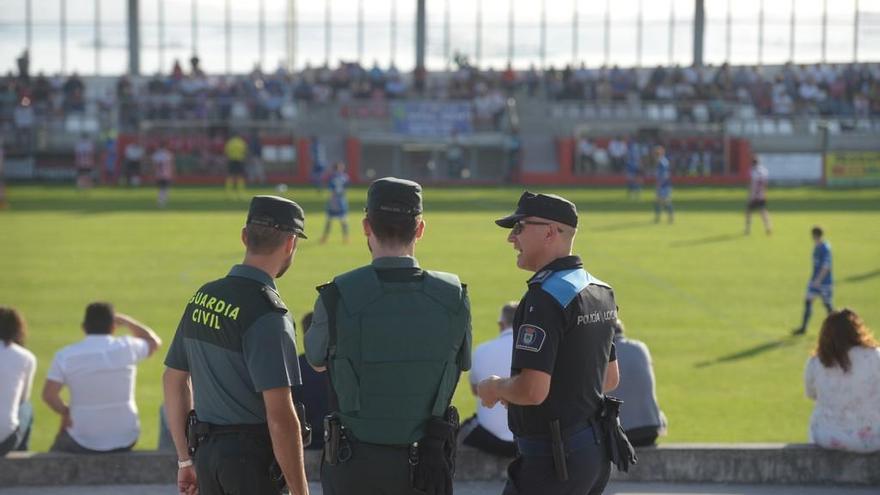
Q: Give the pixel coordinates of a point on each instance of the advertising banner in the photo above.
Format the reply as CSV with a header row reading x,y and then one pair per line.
x,y
793,168
852,169
431,118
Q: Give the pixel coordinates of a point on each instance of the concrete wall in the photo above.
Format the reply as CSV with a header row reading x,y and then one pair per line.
x,y
723,463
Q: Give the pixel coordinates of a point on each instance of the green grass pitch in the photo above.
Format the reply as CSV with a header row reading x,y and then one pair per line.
x,y
714,306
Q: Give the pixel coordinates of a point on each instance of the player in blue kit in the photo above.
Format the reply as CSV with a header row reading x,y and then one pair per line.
x,y
664,184
337,204
821,282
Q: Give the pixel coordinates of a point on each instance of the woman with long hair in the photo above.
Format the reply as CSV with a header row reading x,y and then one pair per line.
x,y
17,367
843,377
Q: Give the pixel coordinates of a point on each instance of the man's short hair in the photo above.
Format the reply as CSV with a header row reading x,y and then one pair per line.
x,y
264,240
817,231
98,319
393,228
508,311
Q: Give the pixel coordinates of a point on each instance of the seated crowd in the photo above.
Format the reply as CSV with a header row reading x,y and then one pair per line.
x,y
842,90
101,416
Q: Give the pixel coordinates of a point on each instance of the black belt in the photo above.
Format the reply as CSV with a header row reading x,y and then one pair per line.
x,y
543,446
244,428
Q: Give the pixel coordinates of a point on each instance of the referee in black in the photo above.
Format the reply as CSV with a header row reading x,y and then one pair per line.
x,y
563,357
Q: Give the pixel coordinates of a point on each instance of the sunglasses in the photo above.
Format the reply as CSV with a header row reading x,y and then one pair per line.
x,y
518,227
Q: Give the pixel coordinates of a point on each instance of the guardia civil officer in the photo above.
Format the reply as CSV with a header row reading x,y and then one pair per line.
x,y
233,360
395,338
563,359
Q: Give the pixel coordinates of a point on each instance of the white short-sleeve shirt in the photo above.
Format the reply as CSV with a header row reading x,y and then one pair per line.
x,y
493,358
100,372
17,367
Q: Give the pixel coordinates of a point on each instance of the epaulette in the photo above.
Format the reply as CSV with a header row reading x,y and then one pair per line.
x,y
274,299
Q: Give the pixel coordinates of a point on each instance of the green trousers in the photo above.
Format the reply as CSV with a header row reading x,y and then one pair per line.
x,y
371,470
235,464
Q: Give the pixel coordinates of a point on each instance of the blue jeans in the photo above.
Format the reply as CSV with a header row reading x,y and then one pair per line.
x,y
18,439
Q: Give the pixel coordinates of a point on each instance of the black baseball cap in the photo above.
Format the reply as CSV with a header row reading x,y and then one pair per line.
x,y
277,213
393,195
548,206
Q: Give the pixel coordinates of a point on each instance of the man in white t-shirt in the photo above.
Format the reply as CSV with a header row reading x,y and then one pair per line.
x,y
17,367
758,197
100,372
163,170
84,157
487,430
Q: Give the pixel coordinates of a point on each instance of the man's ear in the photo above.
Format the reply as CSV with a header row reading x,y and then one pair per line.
x,y
420,229
244,236
290,245
368,231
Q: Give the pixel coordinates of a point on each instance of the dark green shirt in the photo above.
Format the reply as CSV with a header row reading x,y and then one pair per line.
x,y
235,344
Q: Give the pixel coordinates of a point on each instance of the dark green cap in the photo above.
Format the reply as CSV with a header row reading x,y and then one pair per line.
x,y
277,213
393,195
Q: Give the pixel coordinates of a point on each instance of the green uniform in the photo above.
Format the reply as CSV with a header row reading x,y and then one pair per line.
x,y
403,338
236,339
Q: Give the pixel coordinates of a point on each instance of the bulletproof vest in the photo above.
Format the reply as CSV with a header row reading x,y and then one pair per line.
x,y
394,362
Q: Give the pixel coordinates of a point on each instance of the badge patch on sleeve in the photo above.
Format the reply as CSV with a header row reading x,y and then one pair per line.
x,y
530,338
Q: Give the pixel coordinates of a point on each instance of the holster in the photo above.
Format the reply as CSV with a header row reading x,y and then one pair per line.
x,y
432,459
336,444
305,429
620,450
195,432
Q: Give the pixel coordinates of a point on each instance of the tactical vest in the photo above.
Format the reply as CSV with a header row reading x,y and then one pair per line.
x,y
394,362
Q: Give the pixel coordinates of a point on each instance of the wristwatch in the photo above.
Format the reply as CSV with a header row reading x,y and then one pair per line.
x,y
183,464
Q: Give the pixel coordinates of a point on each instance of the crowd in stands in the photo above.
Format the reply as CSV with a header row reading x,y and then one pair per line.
x,y
844,90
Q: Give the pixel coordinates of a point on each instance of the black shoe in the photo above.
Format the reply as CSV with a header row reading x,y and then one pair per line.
x,y
799,331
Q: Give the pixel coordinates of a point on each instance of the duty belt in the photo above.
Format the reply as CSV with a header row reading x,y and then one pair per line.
x,y
243,428
543,447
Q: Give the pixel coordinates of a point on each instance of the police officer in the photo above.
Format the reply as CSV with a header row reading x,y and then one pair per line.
x,y
563,359
395,339
233,360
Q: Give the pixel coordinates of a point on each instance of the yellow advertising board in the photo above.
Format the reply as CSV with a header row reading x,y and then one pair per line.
x,y
852,168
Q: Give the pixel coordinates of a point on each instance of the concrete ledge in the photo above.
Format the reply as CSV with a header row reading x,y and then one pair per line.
x,y
676,463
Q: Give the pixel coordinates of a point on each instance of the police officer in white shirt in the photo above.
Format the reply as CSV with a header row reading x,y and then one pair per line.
x,y
487,430
101,415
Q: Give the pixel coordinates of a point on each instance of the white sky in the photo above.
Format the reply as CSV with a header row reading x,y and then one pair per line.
x,y
46,53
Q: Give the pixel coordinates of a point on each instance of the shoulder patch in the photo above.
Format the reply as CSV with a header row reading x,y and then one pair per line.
x,y
274,299
530,338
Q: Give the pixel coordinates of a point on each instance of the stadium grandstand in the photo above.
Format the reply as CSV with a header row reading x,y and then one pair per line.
x,y
528,92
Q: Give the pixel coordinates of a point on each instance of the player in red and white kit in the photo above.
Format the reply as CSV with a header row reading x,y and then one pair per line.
x,y
84,157
163,169
758,196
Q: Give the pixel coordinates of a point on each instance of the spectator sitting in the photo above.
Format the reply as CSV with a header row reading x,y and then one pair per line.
x,y
843,377
17,366
640,415
312,393
487,430
100,372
